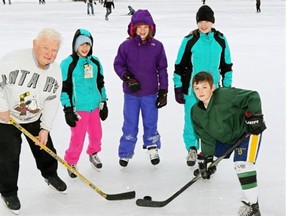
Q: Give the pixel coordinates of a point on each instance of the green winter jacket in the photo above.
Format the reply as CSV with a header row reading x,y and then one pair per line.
x,y
224,118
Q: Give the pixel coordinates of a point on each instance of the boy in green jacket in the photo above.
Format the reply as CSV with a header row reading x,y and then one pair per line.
x,y
220,117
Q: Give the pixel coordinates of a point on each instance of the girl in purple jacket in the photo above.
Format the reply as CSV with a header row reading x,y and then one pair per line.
x,y
142,65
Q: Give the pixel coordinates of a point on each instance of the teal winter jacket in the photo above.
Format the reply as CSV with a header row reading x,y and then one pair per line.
x,y
203,52
84,94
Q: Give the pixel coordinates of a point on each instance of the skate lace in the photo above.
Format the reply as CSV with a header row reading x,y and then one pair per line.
x,y
72,166
192,155
94,159
153,153
247,210
125,159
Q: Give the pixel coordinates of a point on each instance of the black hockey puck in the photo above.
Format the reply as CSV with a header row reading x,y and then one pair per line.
x,y
147,198
196,172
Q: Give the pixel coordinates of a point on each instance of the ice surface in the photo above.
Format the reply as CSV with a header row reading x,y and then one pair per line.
x,y
257,43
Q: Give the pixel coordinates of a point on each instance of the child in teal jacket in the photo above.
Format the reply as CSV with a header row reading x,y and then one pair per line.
x,y
84,99
204,49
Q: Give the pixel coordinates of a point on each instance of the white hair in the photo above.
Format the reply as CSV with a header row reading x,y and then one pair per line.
x,y
50,33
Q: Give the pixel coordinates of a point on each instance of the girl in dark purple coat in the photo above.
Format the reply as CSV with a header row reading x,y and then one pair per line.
x,y
142,65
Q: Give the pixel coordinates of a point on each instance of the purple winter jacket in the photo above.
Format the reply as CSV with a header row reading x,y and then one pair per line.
x,y
146,62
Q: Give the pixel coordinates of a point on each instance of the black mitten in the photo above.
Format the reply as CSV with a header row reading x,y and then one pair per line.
x,y
70,116
255,123
204,166
179,96
161,98
132,83
104,111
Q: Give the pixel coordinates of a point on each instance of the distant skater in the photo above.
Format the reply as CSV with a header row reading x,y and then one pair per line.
x,y
90,6
131,10
9,1
108,4
258,3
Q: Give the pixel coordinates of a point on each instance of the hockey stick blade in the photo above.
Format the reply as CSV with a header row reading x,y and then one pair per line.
x,y
157,204
120,196
151,203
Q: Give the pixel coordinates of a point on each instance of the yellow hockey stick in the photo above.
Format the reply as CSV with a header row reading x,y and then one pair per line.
x,y
118,196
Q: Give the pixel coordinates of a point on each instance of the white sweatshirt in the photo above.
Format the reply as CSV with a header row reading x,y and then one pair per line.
x,y
28,91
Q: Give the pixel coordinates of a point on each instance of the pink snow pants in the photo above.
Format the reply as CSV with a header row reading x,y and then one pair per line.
x,y
90,123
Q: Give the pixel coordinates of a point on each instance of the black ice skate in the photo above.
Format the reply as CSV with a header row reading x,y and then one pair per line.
x,y
56,183
12,203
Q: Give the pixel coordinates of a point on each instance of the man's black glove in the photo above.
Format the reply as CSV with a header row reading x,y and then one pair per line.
x,y
179,96
133,84
255,123
103,111
161,98
70,116
204,166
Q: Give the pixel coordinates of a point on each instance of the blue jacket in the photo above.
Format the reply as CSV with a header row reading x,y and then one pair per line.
x,y
85,94
203,52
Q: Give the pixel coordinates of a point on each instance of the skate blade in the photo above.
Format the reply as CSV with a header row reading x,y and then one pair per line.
x,y
155,166
16,212
63,192
97,169
123,168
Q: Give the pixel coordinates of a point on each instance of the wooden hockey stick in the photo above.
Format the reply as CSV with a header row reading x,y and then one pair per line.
x,y
118,196
147,200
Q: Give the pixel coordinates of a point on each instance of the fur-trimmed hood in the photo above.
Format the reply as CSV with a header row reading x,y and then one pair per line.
x,y
141,16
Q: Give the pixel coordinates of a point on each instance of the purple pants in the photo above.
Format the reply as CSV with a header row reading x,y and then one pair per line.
x,y
90,123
